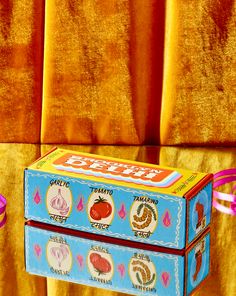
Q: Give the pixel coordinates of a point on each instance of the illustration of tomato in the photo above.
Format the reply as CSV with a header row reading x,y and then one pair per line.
x,y
100,264
94,213
94,257
100,209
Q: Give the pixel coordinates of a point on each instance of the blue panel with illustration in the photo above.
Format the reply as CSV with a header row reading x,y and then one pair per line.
x,y
108,266
198,263
200,212
111,210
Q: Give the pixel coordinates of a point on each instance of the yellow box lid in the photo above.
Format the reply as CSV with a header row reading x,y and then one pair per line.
x,y
119,172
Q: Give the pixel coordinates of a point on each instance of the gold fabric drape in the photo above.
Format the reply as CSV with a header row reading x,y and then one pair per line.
x,y
103,71
110,77
21,56
199,95
14,280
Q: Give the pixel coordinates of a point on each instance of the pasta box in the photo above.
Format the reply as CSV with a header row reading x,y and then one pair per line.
x,y
115,264
118,198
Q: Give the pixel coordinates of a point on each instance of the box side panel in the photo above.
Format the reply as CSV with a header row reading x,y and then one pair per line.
x,y
108,266
115,211
25,172
198,264
199,212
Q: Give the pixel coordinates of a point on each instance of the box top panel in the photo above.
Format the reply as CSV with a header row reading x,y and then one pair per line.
x,y
116,171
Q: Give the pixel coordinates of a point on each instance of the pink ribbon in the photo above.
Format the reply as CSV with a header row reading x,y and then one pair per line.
x,y
3,204
221,178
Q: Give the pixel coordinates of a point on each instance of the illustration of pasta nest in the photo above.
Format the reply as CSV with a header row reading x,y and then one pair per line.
x,y
143,270
145,218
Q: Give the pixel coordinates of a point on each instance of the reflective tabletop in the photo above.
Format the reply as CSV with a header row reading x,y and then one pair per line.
x,y
14,280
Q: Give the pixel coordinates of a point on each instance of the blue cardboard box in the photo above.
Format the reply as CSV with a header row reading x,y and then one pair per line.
x,y
119,198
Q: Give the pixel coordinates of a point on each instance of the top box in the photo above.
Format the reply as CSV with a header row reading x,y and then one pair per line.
x,y
119,198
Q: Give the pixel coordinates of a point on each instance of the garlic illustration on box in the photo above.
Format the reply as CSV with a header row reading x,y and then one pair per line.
x,y
143,216
59,201
142,272
59,256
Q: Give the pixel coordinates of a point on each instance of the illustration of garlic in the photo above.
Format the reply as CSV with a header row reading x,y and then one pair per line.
x,y
59,253
58,203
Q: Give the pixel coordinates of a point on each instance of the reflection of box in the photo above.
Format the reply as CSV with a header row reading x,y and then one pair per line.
x,y
70,257
118,198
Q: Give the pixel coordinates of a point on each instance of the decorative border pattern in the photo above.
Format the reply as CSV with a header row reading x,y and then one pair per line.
x,y
108,233
33,270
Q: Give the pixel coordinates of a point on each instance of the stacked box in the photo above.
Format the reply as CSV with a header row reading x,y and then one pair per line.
x,y
119,199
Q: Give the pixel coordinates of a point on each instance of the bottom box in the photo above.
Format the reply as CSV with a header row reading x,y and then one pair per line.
x,y
115,267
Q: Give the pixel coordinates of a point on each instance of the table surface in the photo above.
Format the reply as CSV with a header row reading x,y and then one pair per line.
x,y
15,157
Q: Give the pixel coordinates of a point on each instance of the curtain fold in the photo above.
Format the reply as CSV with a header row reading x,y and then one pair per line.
x,y
14,280
199,89
100,64
21,55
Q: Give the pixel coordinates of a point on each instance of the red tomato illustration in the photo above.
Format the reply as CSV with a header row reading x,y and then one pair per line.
x,y
100,209
94,213
101,264
94,257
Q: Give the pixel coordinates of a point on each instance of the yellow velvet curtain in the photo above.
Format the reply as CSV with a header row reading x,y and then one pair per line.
x,y
101,59
133,72
21,56
199,89
118,72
